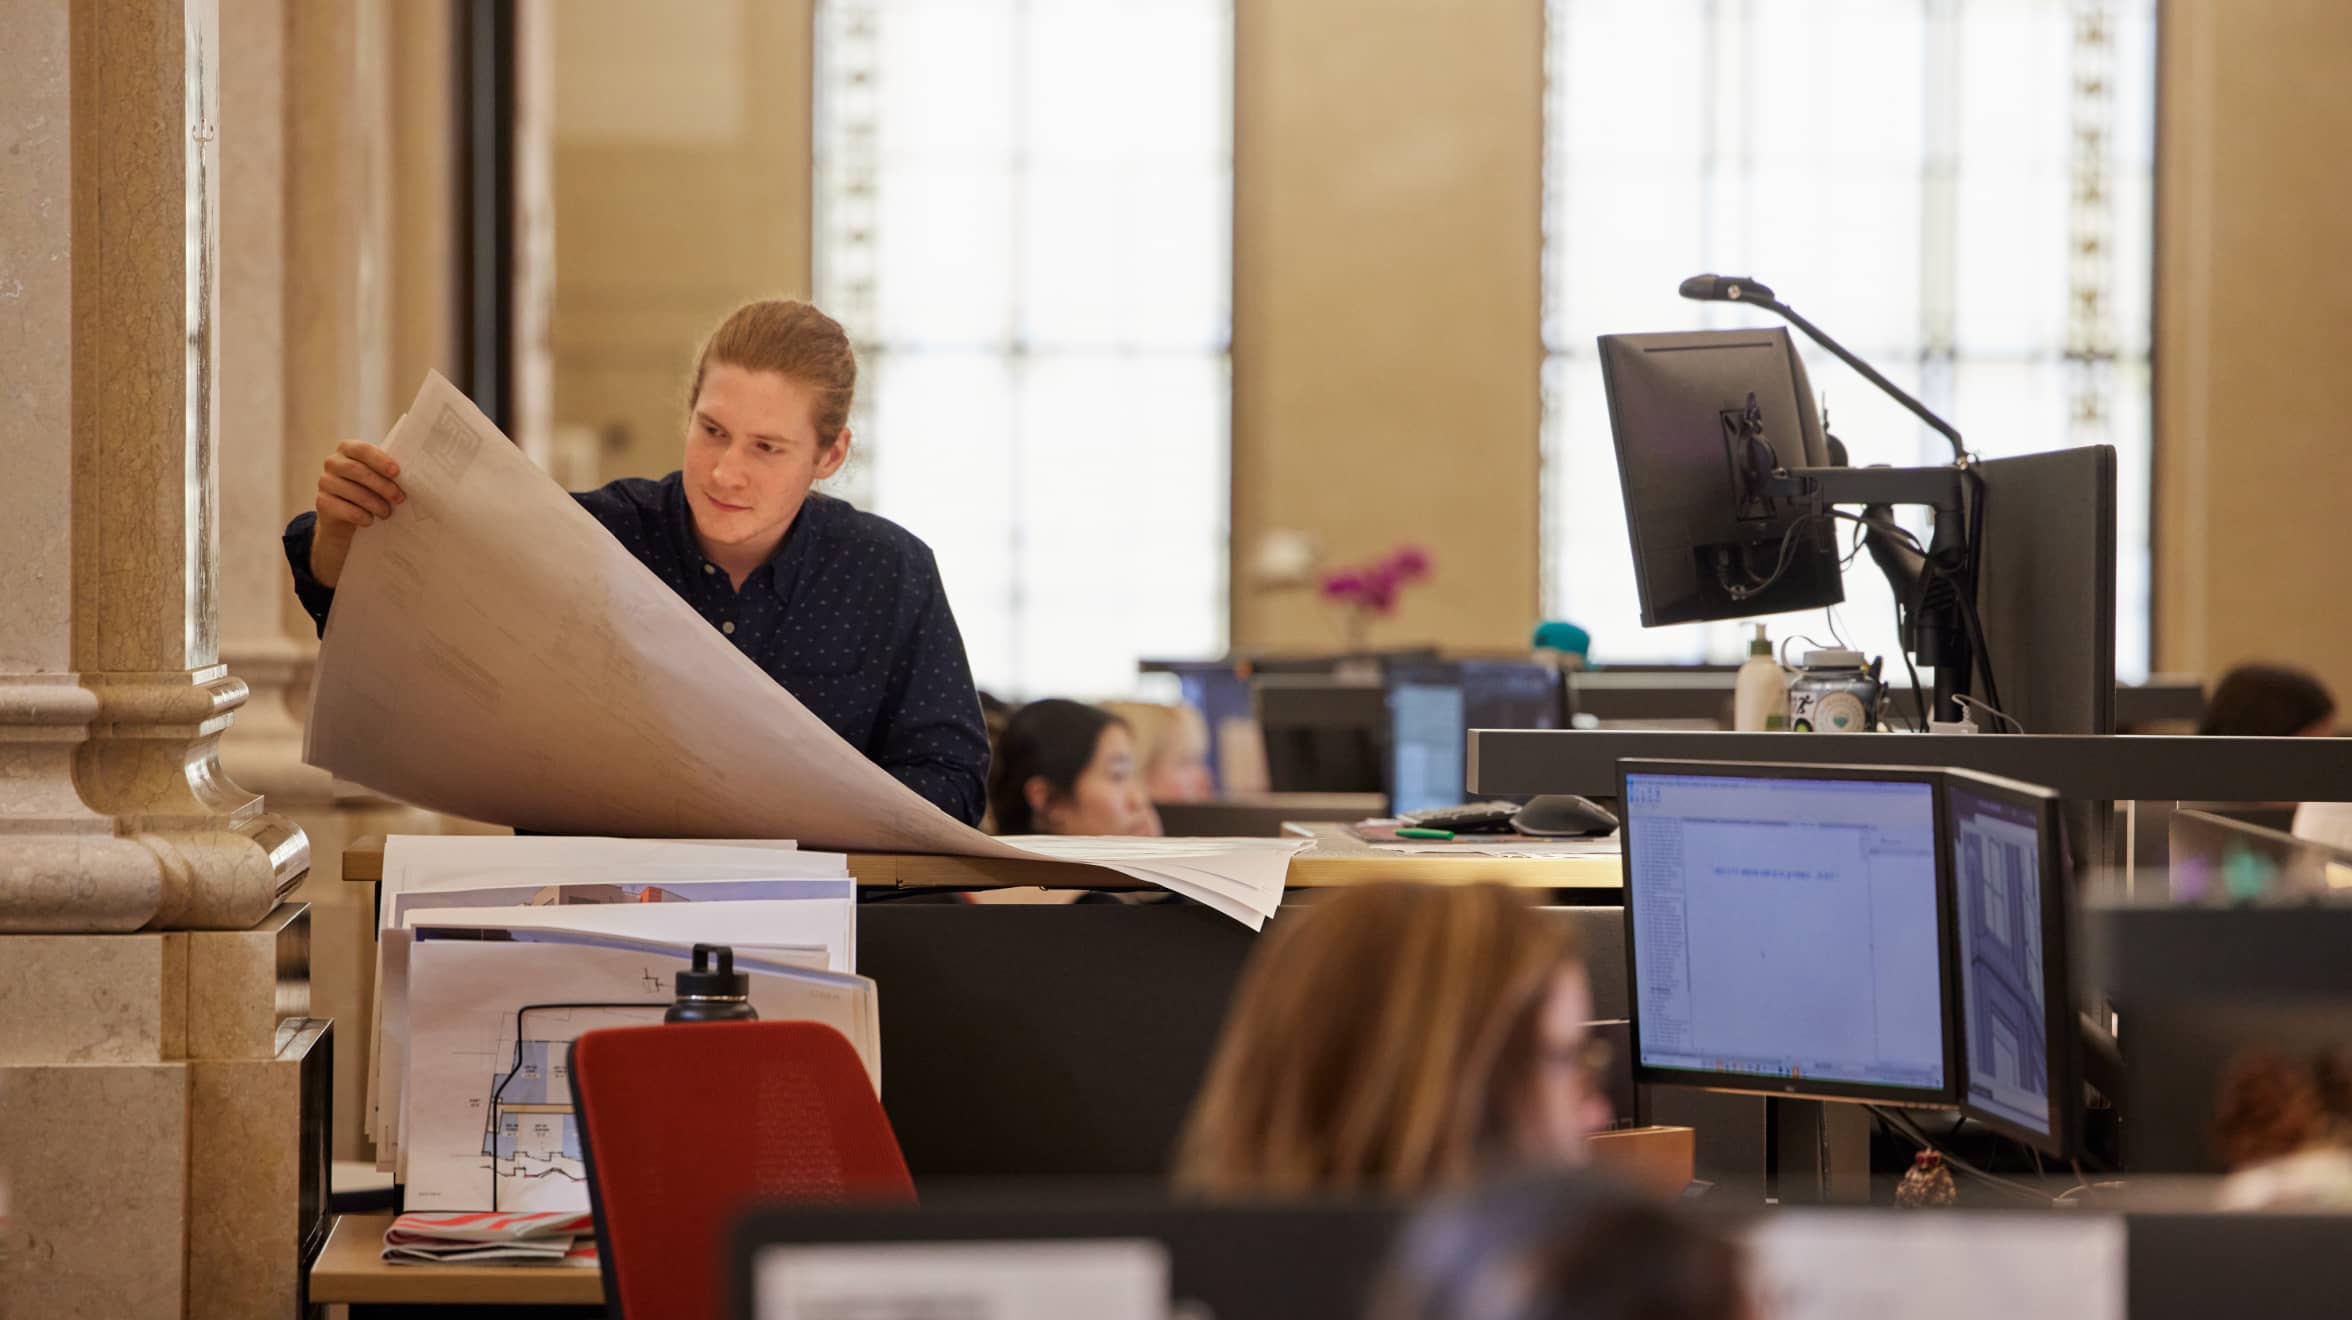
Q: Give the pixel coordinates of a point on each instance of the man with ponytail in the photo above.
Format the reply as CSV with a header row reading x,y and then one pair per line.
x,y
843,608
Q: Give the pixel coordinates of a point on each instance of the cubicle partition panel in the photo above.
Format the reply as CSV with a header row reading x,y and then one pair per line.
x,y
2278,1265
1068,1042
2198,992
1262,815
1230,1261
1323,734
1316,1259
1029,1041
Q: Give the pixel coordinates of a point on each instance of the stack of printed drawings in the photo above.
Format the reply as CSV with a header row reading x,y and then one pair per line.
x,y
495,952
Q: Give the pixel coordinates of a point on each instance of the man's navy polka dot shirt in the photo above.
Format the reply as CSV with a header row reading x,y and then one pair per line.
x,y
848,614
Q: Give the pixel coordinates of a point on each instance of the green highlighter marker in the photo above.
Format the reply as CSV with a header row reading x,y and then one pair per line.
x,y
1416,832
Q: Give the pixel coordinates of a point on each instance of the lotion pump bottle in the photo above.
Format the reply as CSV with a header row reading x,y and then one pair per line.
x,y
1760,694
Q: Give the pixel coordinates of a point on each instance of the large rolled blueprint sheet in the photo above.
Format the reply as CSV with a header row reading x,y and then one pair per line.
x,y
493,652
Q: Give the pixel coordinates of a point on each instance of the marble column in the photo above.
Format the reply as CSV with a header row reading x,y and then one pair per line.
x,y
532,426
264,638
154,1034
114,812
311,258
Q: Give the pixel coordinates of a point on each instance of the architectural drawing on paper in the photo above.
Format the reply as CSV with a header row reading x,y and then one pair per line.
x,y
530,1135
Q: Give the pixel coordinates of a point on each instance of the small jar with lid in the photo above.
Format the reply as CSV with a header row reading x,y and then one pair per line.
x,y
1835,692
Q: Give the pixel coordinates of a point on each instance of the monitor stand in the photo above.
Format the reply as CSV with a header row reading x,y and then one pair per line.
x,y
1816,1153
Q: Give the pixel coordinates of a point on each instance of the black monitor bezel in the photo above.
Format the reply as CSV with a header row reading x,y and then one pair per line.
x,y
1322,704
1946,1096
1420,673
1459,675
2061,1032
1813,576
1469,667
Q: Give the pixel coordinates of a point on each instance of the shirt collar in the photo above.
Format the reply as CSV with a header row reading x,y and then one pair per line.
x,y
800,541
782,565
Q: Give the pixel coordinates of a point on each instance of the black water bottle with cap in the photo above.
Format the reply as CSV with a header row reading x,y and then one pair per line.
x,y
713,994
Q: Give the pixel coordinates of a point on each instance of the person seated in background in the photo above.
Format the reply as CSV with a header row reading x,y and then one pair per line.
x,y
2283,1126
1395,1039
1171,750
2278,701
1064,767
994,712
1561,1246
2269,701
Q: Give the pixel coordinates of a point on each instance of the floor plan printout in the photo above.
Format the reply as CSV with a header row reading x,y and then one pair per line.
x,y
420,865
816,933
488,1122
495,653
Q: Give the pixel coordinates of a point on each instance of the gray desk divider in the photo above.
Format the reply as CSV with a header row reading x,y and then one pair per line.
x,y
2195,989
2197,1266
1033,1042
1322,1259
1064,1042
1698,694
1270,1261
1705,694
2083,768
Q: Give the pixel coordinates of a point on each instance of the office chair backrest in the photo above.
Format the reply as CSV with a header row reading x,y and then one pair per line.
x,y
682,1126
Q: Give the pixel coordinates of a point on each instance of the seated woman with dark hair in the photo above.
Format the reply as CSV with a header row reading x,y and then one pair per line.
x,y
1561,1246
2278,701
2269,701
1064,767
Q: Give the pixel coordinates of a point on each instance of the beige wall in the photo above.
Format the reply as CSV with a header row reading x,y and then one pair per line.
x,y
1386,344
1387,239
2254,323
1387,233
682,190
424,195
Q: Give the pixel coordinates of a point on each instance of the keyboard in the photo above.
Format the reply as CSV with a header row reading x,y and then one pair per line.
x,y
1470,818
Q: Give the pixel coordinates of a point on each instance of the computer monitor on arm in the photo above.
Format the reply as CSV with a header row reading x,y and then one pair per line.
x,y
1731,488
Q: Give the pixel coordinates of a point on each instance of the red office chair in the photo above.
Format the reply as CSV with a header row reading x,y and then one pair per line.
x,y
683,1126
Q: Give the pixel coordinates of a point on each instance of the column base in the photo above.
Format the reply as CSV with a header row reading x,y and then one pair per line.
x,y
114,812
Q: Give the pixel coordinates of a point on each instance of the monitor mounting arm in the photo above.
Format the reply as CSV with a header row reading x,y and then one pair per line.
x,y
1938,589
1939,488
1935,618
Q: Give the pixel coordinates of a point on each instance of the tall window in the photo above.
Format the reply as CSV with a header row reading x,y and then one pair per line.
x,y
1024,219
1960,192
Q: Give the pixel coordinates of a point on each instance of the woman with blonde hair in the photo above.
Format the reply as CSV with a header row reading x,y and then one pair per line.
x,y
1171,749
1396,1039
843,608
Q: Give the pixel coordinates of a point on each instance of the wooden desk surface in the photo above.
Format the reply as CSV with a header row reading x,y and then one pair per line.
x,y
1338,858
351,1269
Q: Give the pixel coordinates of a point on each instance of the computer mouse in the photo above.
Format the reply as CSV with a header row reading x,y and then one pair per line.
x,y
1556,815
